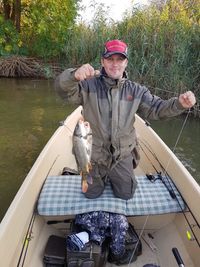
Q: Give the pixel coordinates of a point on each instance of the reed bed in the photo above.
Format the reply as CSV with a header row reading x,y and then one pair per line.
x,y
163,40
164,46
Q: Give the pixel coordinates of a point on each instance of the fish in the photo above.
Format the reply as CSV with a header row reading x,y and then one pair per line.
x,y
82,150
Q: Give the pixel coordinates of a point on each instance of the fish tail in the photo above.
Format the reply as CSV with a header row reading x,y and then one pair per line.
x,y
84,183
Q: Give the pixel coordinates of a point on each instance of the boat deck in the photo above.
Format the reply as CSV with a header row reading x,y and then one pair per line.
x,y
158,238
148,256
157,244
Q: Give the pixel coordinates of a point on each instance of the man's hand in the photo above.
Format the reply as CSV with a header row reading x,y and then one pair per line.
x,y
86,71
187,100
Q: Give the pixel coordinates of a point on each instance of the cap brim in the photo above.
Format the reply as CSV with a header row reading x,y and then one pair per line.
x,y
108,54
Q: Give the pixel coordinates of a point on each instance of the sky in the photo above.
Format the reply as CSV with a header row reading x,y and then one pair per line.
x,y
116,7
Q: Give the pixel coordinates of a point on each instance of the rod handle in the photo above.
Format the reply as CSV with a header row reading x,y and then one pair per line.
x,y
178,257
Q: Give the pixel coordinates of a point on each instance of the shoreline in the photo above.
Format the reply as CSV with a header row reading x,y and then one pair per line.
x,y
30,67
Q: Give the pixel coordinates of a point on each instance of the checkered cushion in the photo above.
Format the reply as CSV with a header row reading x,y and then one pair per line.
x,y
61,195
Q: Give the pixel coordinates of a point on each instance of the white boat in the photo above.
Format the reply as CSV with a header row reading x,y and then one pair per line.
x,y
24,232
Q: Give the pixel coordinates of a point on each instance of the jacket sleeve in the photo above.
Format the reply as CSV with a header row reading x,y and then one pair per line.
x,y
154,108
68,87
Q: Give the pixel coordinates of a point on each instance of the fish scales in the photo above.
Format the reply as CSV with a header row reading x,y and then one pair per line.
x,y
82,149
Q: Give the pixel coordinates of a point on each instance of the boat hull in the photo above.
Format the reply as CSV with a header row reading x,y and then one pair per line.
x,y
169,230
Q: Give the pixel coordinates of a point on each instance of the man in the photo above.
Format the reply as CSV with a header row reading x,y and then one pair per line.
x,y
110,102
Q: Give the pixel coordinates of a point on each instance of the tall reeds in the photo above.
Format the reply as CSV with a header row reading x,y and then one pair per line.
x,y
164,45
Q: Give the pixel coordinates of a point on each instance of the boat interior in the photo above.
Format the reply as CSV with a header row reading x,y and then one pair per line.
x,y
159,231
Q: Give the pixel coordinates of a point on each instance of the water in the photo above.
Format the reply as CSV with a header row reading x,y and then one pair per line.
x,y
187,149
30,111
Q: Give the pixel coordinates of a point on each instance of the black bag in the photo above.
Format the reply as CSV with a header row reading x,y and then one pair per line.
x,y
92,256
80,263
55,252
132,241
133,248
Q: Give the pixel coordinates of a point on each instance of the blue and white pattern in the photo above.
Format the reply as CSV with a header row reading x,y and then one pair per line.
x,y
61,195
101,224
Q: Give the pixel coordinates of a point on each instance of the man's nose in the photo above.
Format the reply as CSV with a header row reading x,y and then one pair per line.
x,y
115,62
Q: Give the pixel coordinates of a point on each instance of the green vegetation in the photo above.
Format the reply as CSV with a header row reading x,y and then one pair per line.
x,y
39,29
163,38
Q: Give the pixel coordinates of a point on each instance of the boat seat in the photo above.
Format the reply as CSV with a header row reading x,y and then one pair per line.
x,y
61,195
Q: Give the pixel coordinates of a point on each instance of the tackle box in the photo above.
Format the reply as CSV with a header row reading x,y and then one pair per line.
x,y
55,252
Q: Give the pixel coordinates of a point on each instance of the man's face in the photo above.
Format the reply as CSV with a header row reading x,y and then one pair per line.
x,y
115,65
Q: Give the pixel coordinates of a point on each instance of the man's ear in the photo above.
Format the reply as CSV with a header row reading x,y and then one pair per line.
x,y
126,62
102,62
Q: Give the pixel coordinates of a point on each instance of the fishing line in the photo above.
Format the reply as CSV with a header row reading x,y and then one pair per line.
x,y
140,235
170,92
170,190
167,176
170,157
178,138
169,182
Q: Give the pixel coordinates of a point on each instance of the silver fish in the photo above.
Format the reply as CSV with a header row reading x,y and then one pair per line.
x,y
82,149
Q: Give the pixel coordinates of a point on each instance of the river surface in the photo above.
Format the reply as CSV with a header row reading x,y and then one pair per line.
x,y
30,112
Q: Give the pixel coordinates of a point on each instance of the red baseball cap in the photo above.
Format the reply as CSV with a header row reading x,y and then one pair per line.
x,y
115,47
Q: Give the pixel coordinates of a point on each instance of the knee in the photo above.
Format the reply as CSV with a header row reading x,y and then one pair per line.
x,y
125,190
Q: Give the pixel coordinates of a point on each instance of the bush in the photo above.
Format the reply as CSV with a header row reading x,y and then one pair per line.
x,y
10,41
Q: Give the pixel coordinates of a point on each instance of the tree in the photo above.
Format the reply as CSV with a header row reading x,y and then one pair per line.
x,y
35,27
46,25
11,11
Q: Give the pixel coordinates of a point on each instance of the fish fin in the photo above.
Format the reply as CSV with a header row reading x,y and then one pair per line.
x,y
89,179
84,186
89,165
87,174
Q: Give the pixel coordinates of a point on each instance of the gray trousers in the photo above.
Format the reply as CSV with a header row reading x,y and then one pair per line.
x,y
121,177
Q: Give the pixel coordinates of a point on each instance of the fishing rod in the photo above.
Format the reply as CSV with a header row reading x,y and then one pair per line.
x,y
178,257
167,176
28,236
159,176
27,240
